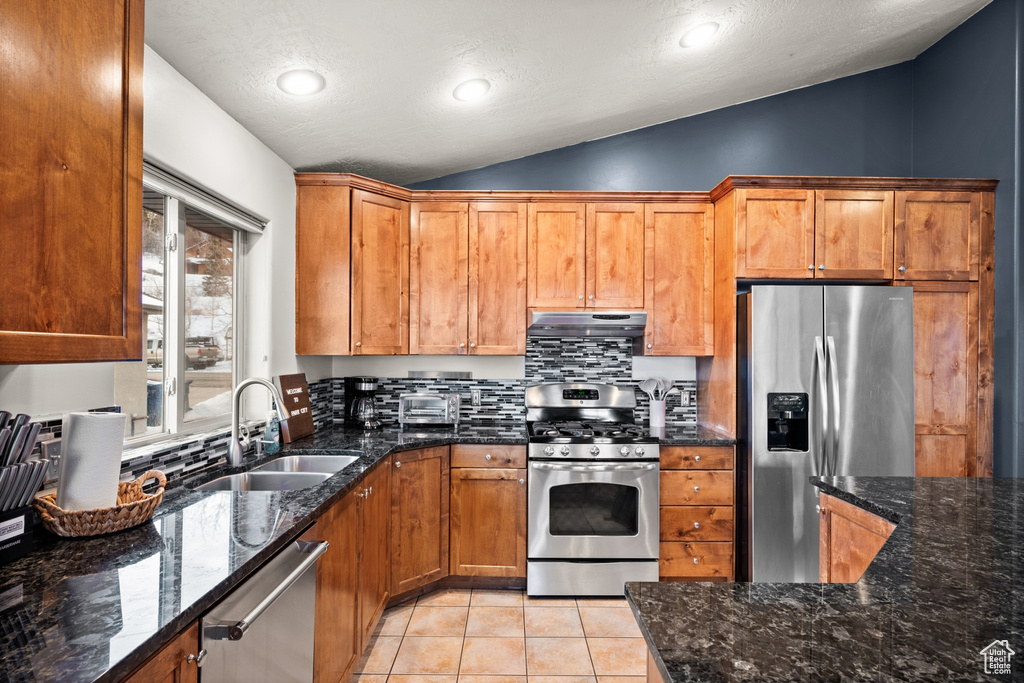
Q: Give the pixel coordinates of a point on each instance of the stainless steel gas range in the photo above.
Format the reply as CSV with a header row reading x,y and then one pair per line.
x,y
593,491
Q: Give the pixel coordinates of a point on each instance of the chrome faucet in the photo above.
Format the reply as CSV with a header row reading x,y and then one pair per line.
x,y
235,444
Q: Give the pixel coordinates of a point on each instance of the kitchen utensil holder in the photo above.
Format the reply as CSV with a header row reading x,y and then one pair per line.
x,y
657,418
133,508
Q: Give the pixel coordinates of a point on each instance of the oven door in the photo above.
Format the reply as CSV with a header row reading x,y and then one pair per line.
x,y
593,510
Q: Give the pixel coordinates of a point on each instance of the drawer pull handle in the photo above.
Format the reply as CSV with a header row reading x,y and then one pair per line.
x,y
696,458
696,525
487,457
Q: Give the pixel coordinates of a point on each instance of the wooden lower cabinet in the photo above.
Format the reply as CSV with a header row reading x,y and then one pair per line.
x,y
488,520
698,520
337,639
171,663
849,539
374,549
419,518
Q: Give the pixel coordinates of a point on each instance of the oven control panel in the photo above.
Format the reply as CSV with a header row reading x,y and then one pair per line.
x,y
594,451
580,395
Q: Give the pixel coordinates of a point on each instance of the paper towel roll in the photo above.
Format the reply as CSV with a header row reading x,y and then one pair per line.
x,y
90,461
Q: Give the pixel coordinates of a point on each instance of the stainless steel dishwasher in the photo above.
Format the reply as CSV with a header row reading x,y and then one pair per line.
x,y
263,630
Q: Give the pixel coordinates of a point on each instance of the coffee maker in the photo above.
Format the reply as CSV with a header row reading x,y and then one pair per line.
x,y
360,403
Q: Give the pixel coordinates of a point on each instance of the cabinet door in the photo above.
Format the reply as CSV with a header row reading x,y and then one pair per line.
x,y
774,233
71,207
849,539
945,378
937,235
853,234
374,549
336,645
438,275
380,274
170,664
556,255
488,522
322,251
679,277
497,278
615,255
419,518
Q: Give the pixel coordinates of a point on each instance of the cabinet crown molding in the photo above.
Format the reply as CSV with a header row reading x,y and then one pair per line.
x,y
736,182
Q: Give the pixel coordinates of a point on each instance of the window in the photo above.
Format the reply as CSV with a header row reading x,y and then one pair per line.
x,y
190,281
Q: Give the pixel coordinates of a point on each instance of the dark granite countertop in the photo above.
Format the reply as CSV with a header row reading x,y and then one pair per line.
x,y
946,584
94,609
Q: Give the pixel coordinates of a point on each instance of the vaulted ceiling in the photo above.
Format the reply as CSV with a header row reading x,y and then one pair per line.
x,y
561,71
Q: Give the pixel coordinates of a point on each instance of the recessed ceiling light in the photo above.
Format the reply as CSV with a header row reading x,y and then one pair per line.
x,y
300,82
699,35
471,90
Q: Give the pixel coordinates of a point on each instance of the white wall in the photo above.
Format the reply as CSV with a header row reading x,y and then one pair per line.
x,y
185,132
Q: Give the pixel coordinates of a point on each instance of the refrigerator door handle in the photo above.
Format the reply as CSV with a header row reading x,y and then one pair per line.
x,y
833,371
821,435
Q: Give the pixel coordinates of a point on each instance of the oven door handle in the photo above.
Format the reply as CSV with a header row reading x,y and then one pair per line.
x,y
633,467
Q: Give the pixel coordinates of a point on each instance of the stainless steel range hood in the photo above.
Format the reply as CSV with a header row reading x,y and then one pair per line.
x,y
572,323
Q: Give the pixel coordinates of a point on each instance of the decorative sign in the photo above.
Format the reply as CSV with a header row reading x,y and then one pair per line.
x,y
295,393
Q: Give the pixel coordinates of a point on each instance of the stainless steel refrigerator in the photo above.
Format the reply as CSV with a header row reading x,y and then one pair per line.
x,y
826,377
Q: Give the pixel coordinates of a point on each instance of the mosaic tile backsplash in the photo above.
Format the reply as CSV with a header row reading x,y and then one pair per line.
x,y
569,359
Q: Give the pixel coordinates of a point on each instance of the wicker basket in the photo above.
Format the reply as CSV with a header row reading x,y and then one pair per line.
x,y
133,508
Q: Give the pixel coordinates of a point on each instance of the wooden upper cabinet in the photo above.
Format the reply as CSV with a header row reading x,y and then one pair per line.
x,y
946,339
497,278
679,271
71,213
380,274
774,233
937,235
615,255
853,234
419,518
322,250
438,276
556,255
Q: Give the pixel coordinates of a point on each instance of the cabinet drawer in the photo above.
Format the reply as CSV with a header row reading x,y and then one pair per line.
x,y
482,455
696,560
693,523
696,457
696,487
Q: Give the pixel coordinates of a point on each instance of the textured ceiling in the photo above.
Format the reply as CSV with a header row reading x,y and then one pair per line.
x,y
562,71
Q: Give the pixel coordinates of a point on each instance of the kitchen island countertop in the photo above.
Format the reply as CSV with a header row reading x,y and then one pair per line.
x,y
947,583
93,609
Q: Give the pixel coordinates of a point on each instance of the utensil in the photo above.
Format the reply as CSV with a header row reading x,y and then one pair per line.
x,y
4,474
30,441
35,482
22,484
4,417
5,436
19,421
14,446
14,474
648,386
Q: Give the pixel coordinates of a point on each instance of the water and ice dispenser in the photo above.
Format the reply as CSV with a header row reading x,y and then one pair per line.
x,y
787,422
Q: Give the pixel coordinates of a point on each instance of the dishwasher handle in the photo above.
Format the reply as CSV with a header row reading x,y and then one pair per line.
x,y
237,630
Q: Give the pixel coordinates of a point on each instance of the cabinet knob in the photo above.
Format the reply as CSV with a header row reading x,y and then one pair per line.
x,y
696,489
591,297
462,345
359,343
903,269
696,561
472,345
696,525
581,297
650,346
819,509
821,267
197,659
810,267
696,458
398,464
522,481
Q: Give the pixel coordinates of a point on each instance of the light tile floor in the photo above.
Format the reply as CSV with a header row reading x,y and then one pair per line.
x,y
504,636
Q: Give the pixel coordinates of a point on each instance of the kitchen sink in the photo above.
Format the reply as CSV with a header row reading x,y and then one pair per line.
x,y
309,463
266,481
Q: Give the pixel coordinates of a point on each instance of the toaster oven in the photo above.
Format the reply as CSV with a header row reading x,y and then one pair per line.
x,y
428,409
